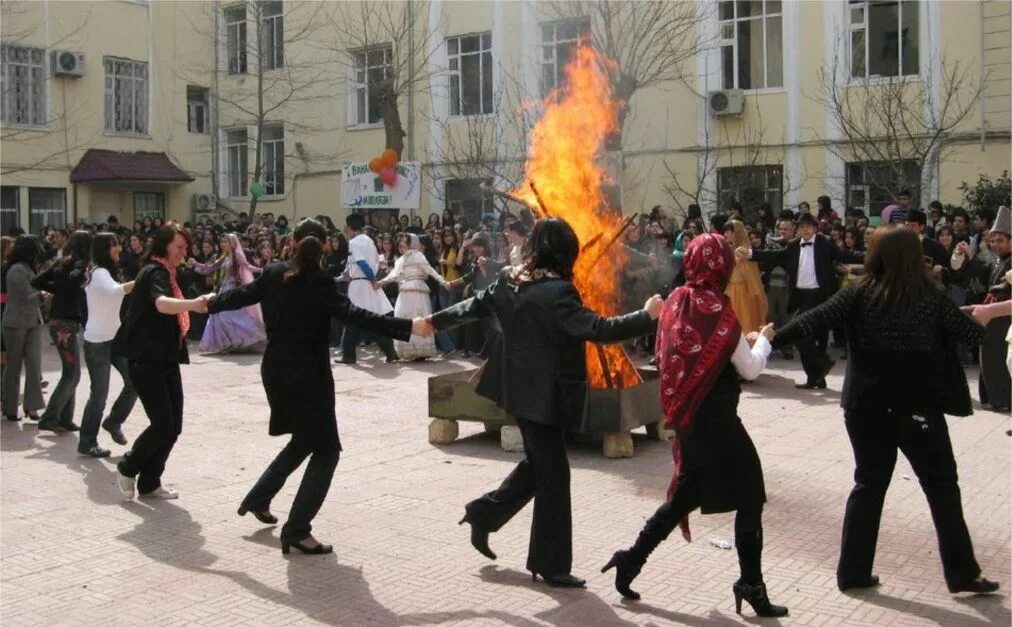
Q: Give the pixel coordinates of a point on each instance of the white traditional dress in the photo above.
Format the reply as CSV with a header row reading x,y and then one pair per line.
x,y
360,290
410,272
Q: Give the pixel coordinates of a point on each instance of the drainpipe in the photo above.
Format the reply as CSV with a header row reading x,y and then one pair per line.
x,y
980,5
213,104
411,80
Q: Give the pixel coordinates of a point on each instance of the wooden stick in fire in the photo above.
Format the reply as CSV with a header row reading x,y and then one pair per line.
x,y
615,237
541,202
488,189
605,366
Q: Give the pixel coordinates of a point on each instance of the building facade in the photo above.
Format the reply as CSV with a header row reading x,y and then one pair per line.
x,y
143,109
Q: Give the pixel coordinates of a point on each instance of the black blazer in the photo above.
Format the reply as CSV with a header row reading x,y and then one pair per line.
x,y
147,334
296,369
827,255
539,372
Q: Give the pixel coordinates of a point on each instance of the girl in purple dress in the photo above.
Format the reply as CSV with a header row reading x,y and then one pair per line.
x,y
231,331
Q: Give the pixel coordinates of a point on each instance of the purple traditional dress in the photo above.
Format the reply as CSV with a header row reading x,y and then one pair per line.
x,y
232,331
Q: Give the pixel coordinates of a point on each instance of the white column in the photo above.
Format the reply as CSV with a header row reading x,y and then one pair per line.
x,y
793,168
498,61
707,63
834,38
438,100
929,48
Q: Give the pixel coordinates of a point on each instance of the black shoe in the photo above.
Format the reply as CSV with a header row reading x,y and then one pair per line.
x,y
43,384
561,581
33,416
265,516
116,434
70,427
810,385
625,572
96,451
979,585
757,598
54,428
479,538
788,355
347,362
392,358
319,549
868,582
13,418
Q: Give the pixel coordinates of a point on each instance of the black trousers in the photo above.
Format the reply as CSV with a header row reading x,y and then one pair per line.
x,y
160,389
544,476
923,438
312,491
814,359
995,384
349,343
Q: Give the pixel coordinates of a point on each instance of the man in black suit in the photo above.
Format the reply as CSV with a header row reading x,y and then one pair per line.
x,y
810,262
917,221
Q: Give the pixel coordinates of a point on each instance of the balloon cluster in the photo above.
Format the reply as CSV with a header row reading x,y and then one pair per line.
x,y
385,166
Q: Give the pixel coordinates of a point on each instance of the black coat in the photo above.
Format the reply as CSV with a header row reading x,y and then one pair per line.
x,y
296,369
539,372
827,255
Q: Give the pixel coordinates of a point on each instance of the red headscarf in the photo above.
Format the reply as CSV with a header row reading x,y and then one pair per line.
x,y
696,336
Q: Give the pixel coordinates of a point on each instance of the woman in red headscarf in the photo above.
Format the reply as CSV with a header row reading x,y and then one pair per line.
x,y
701,353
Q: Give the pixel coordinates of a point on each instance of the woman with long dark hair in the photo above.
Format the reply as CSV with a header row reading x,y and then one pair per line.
x,y
902,378
22,330
106,304
539,378
298,300
702,353
68,310
154,337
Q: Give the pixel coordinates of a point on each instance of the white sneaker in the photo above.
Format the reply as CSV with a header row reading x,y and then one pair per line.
x,y
160,493
126,485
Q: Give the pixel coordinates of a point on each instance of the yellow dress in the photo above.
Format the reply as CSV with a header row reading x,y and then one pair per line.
x,y
747,296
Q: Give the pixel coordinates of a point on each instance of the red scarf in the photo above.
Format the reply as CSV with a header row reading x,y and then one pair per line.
x,y
183,316
696,335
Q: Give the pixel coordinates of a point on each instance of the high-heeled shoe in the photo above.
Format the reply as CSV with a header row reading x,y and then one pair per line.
x,y
264,516
560,581
625,572
479,538
757,598
319,549
980,585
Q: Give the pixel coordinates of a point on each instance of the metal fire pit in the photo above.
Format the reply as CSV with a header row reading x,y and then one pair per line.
x,y
609,414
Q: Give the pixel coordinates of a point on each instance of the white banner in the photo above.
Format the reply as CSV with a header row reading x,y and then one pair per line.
x,y
361,188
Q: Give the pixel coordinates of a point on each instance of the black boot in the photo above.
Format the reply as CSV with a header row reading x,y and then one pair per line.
x,y
757,598
751,587
627,564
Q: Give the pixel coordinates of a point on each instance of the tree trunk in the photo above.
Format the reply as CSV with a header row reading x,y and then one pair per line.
x,y
623,87
392,126
258,152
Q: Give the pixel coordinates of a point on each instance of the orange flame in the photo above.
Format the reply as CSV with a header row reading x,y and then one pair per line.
x,y
565,147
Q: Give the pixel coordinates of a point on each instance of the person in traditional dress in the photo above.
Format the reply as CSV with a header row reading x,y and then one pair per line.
x,y
701,354
745,289
364,290
995,384
299,299
410,272
232,330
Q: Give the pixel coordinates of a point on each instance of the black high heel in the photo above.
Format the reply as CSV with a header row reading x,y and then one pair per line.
x,y
758,599
624,574
560,581
479,538
319,549
265,516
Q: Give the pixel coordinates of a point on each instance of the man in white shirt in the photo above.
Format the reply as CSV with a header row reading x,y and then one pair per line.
x,y
363,289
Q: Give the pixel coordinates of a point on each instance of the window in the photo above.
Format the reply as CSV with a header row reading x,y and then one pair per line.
x,y
23,90
558,42
371,68
872,186
238,173
47,206
197,109
470,59
466,200
751,44
274,160
10,208
751,185
272,29
235,39
126,96
149,205
883,38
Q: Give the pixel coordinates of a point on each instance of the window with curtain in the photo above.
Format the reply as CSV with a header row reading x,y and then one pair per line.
x,y
274,159
558,43
235,39
751,185
884,38
237,155
751,44
126,96
22,85
372,67
47,206
149,205
272,27
10,208
470,62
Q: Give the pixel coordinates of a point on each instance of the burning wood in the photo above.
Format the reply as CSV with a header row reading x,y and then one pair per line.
x,y
491,191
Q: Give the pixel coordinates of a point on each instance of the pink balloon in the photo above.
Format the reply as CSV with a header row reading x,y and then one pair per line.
x,y
388,176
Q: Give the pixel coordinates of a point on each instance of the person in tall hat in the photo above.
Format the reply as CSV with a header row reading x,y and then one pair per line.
x,y
810,261
364,289
995,384
298,299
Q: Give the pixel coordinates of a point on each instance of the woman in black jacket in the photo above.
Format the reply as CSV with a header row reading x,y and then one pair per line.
x,y
538,376
902,377
68,311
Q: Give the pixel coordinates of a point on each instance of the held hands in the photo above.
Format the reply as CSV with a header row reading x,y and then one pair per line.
x,y
751,338
979,313
768,332
191,262
741,254
653,306
200,303
422,327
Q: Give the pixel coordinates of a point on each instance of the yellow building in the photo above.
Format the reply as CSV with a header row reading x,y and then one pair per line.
x,y
159,109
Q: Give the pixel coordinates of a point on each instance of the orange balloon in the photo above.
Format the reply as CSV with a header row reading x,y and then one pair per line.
x,y
389,157
376,164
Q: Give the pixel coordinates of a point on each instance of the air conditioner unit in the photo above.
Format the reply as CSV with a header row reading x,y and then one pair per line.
x,y
204,203
67,63
726,102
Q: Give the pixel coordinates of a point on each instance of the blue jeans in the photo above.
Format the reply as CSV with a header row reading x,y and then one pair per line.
x,y
66,335
100,361
441,299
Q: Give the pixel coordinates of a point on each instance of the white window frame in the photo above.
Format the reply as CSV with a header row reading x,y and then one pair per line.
x,y
41,217
272,29
360,85
860,8
236,57
134,77
158,199
36,90
12,213
727,30
454,60
550,49
273,157
773,195
198,108
236,163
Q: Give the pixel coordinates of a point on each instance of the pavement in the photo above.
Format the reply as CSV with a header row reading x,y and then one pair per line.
x,y
73,552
